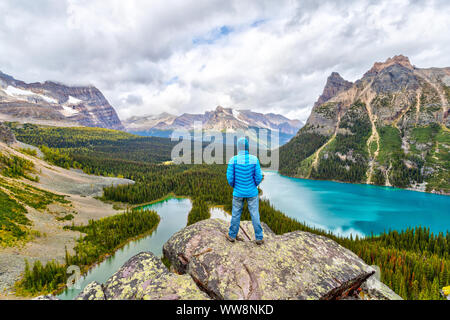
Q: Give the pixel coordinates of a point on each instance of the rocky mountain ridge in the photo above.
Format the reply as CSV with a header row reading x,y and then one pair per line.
x,y
335,85
219,120
55,104
390,128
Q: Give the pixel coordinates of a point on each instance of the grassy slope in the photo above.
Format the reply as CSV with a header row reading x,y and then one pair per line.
x,y
16,195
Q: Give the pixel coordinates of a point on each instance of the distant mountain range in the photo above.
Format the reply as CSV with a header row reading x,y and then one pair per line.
x,y
218,120
390,128
55,104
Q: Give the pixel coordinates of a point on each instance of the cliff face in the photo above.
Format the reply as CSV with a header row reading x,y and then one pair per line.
x,y
391,127
55,103
335,85
295,265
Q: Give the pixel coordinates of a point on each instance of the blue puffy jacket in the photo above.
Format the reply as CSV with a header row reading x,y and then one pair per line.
x,y
244,172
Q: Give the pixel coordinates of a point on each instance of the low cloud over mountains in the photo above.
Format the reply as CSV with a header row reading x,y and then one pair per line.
x,y
185,56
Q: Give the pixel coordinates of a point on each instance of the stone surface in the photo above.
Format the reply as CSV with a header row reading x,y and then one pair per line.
x,y
374,289
295,265
324,115
93,291
144,276
400,60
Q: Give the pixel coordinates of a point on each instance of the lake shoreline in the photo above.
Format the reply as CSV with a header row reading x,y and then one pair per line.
x,y
348,208
102,258
415,189
66,293
143,235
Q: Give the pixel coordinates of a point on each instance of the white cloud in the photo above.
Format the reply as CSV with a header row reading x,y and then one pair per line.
x,y
189,56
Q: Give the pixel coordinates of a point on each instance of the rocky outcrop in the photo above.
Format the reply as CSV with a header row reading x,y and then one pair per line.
x,y
324,116
93,291
335,85
46,297
373,289
6,135
295,265
395,74
204,265
144,277
399,60
52,102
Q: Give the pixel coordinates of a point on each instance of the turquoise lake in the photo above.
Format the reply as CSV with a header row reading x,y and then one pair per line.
x,y
339,207
355,208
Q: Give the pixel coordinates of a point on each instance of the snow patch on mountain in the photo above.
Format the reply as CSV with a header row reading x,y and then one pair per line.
x,y
24,94
73,100
68,111
53,102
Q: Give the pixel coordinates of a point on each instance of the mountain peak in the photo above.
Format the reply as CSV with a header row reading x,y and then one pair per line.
x,y
165,114
335,75
335,84
394,97
218,119
398,59
220,109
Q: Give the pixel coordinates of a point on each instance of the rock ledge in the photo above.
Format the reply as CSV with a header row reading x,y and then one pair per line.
x,y
204,265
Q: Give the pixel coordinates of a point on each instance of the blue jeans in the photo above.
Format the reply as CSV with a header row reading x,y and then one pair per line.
x,y
253,207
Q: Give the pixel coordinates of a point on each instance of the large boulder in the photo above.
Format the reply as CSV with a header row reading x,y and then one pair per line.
x,y
295,265
144,276
205,265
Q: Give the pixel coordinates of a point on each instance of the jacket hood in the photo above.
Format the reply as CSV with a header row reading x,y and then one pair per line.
x,y
242,144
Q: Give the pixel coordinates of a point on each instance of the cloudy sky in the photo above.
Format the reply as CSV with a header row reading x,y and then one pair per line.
x,y
180,56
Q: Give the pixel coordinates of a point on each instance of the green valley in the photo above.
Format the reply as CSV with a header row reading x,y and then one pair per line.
x,y
399,253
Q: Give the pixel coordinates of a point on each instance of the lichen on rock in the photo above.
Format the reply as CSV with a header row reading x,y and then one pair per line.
x,y
93,291
144,276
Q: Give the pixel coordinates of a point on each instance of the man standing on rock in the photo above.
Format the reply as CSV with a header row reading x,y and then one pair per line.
x,y
244,175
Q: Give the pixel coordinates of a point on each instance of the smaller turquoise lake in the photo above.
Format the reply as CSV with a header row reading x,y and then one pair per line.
x,y
173,213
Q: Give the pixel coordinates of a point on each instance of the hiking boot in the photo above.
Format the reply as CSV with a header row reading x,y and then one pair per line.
x,y
230,238
259,242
